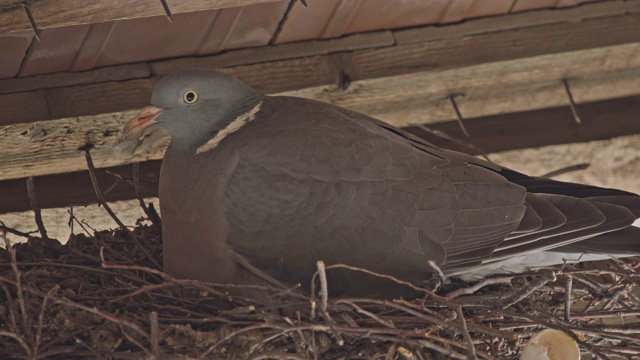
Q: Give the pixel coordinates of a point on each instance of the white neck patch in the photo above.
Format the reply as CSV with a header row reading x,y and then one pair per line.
x,y
233,126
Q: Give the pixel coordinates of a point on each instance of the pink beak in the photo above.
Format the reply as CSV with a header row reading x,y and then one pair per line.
x,y
144,119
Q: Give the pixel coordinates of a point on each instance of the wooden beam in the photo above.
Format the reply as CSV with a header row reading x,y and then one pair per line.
x,y
47,147
493,88
340,68
101,75
601,120
76,188
530,129
50,14
372,40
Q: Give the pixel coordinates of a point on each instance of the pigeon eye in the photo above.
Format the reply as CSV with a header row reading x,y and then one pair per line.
x,y
190,97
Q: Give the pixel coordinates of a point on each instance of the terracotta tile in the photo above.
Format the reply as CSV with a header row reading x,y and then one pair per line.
x,y
456,11
248,26
303,23
155,38
384,14
218,31
481,8
567,3
338,24
89,52
55,51
255,25
524,5
13,48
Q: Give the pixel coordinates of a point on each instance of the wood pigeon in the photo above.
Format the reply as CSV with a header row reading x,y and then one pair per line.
x,y
277,183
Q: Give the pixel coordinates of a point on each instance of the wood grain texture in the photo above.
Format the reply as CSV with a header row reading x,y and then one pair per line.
x,y
519,43
76,188
48,81
279,52
493,88
50,14
14,19
183,6
343,67
46,147
515,21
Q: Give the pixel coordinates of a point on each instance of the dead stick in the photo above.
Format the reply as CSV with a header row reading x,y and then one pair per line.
x,y
15,232
92,310
26,323
369,314
136,184
333,326
41,319
34,206
155,337
472,289
465,333
96,188
324,291
533,286
567,298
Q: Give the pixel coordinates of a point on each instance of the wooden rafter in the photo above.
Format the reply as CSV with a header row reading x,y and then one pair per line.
x,y
50,14
483,90
297,66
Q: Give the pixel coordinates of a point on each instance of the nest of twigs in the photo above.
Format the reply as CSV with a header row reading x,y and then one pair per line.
x,y
103,296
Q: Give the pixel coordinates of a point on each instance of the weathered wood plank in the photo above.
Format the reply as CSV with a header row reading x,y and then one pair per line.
x,y
529,129
51,146
278,52
99,98
76,188
227,59
601,120
106,74
515,21
14,19
183,6
24,107
464,51
49,14
290,74
494,88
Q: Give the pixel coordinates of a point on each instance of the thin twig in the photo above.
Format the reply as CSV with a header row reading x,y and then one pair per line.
x,y
568,285
154,334
441,275
566,170
465,333
324,287
472,289
459,118
528,290
103,202
572,103
34,206
136,184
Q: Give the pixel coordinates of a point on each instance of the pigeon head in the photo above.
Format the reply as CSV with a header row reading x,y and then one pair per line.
x,y
192,106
